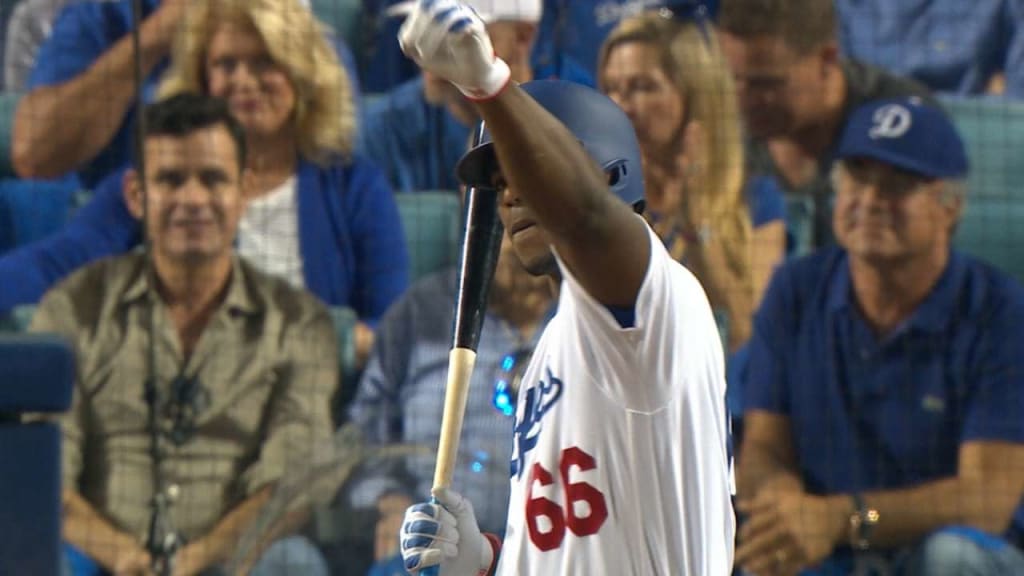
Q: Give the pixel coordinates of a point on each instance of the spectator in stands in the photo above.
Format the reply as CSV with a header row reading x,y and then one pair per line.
x,y
949,45
418,131
244,363
77,114
317,215
385,67
885,402
671,79
576,30
796,93
401,394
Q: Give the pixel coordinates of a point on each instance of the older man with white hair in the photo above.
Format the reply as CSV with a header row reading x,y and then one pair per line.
x,y
884,423
419,130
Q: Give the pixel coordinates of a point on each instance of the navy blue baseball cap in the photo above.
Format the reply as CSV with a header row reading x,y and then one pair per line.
x,y
908,134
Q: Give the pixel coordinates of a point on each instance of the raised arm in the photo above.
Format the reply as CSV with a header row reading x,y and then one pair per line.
x,y
597,236
73,114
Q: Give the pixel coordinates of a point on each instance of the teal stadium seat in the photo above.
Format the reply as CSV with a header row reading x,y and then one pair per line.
x,y
992,226
343,17
799,226
8,102
993,131
993,230
432,221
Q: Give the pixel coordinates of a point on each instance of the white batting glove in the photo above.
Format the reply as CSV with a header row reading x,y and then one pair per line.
x,y
445,535
448,39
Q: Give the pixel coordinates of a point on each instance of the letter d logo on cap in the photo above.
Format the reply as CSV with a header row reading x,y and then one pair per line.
x,y
890,121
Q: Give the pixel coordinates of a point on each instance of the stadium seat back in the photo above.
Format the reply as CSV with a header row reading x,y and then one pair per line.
x,y
37,373
432,221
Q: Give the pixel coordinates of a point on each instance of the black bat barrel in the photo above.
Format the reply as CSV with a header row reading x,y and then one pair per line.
x,y
480,246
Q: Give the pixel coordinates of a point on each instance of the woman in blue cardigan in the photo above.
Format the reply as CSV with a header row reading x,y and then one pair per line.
x,y
318,215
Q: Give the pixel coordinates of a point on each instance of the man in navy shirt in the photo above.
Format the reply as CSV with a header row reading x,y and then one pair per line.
x,y
884,421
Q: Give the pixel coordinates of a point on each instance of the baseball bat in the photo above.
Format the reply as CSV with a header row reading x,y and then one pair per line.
x,y
481,241
480,246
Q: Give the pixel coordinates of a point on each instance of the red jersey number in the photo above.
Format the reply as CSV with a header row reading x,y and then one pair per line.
x,y
575,492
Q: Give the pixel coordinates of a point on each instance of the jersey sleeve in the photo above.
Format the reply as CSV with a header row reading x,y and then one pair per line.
x,y
672,344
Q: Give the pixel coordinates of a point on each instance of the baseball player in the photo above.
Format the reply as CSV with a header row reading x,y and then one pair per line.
x,y
620,462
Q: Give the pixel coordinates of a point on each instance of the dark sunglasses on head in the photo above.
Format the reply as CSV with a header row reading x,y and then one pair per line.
x,y
700,12
188,399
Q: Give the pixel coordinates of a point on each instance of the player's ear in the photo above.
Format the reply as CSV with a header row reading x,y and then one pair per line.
x,y
131,189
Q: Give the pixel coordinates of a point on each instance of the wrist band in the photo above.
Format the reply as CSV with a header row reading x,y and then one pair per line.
x,y
495,548
862,524
500,78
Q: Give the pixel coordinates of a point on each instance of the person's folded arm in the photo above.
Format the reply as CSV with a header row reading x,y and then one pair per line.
x,y
984,494
82,90
90,532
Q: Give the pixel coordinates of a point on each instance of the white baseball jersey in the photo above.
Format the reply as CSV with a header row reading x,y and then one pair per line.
x,y
620,464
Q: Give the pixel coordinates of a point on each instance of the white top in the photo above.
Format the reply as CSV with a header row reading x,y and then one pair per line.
x,y
620,464
268,235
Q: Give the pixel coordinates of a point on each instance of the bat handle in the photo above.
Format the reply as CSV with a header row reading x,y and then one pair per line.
x,y
460,369
432,570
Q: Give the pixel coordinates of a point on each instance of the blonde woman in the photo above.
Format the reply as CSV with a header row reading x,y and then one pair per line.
x,y
317,215
671,80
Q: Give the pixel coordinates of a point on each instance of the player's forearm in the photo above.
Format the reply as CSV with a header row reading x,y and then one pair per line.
x,y
87,530
600,239
546,165
59,128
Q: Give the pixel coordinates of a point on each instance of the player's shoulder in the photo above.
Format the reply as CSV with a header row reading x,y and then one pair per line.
x,y
678,280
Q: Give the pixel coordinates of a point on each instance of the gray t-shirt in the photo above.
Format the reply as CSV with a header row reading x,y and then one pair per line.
x,y
864,83
30,25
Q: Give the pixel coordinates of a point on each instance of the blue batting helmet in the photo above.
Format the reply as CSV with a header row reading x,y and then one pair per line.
x,y
600,125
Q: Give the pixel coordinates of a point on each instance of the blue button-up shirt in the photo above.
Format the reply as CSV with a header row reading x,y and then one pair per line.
x,y
950,45
401,399
871,413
